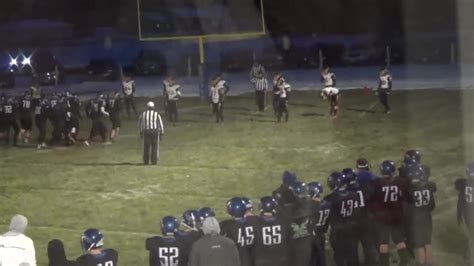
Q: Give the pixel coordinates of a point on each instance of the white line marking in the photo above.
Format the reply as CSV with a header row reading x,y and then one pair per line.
x,y
371,106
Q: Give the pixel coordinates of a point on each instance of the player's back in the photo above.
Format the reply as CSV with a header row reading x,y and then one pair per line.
x,y
167,251
343,211
420,197
272,239
386,202
321,213
242,232
108,257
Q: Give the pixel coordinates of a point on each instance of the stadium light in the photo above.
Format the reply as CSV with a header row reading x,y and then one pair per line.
x,y
13,61
26,61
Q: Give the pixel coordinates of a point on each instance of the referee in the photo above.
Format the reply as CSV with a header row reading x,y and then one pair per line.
x,y
261,86
151,130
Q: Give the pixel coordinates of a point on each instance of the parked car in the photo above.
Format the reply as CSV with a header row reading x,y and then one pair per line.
x,y
7,78
46,69
103,69
150,62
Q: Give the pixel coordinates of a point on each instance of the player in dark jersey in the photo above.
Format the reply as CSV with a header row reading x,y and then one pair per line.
x,y
240,229
272,236
386,205
363,233
71,127
114,107
74,104
58,118
26,119
190,232
421,202
95,255
342,221
95,110
465,206
205,212
283,194
41,118
321,210
10,110
169,249
3,125
413,156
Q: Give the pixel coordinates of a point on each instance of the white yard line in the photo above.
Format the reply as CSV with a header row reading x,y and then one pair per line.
x,y
371,106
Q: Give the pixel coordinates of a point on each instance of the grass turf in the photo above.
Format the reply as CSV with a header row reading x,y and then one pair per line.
x,y
64,191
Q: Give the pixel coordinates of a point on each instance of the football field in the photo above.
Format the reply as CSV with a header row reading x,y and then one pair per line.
x,y
63,191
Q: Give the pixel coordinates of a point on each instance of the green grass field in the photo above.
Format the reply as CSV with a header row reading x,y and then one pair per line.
x,y
64,191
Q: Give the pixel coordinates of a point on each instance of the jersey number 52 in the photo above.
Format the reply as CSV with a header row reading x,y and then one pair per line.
x,y
168,256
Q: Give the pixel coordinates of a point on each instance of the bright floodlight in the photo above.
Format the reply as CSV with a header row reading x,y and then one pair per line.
x,y
26,61
13,62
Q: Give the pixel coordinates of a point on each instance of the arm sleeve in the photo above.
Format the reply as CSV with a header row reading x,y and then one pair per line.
x,y
193,257
235,258
162,129
31,254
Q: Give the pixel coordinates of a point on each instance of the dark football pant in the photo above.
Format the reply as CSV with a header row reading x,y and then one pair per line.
x,y
260,100
344,246
26,123
318,255
11,123
172,111
276,100
365,234
151,144
57,130
130,104
282,109
301,251
218,109
333,104
383,97
98,128
41,126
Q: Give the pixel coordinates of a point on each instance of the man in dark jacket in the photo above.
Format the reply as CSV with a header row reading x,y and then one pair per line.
x,y
213,249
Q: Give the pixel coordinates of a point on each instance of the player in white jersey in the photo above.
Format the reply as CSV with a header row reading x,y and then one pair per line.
x,y
128,89
219,88
328,78
332,94
385,88
172,96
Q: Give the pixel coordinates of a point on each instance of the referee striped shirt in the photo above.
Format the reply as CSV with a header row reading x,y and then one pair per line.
x,y
260,84
150,120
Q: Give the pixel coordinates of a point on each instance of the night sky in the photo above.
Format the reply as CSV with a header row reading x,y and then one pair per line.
x,y
297,17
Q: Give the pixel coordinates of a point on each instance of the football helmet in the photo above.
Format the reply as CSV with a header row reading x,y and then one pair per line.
x,y
335,181
169,226
315,189
268,204
349,175
236,207
387,168
191,219
413,154
91,238
299,189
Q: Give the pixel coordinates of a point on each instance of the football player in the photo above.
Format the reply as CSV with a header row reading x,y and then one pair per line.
x,y
41,118
26,119
58,114
465,206
385,88
277,79
114,107
421,202
386,205
10,109
342,220
3,125
190,232
364,233
219,89
169,249
321,210
71,127
328,78
299,216
272,236
92,242
283,194
283,93
95,110
240,229
248,206
173,94
73,104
